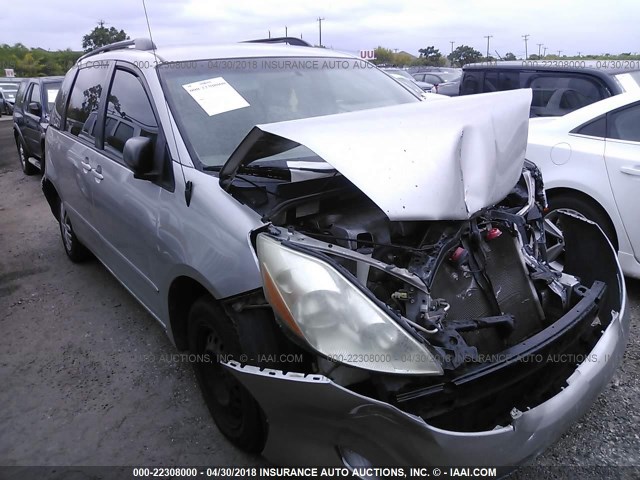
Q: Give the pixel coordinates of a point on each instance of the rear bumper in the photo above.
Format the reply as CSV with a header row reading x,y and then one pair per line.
x,y
311,418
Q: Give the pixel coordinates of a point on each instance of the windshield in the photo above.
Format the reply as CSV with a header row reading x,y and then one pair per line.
x,y
217,102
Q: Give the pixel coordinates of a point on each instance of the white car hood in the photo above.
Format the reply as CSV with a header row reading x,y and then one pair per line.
x,y
417,161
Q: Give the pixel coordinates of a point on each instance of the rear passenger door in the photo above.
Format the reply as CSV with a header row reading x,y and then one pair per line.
x,y
126,209
622,157
75,146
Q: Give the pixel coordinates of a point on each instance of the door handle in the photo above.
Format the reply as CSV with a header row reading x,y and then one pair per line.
x,y
85,166
97,172
635,170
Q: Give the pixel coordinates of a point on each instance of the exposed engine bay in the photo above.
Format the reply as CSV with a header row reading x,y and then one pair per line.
x,y
496,299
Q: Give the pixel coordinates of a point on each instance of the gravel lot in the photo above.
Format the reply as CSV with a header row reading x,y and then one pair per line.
x,y
86,376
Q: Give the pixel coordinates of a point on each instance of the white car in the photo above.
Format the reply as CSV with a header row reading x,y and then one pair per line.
x,y
590,160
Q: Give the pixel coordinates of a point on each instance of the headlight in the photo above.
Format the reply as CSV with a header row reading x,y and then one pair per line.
x,y
319,305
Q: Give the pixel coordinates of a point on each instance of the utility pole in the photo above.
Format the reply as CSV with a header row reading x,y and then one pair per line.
x,y
559,52
579,54
488,37
286,31
544,54
320,19
526,52
539,47
269,33
451,46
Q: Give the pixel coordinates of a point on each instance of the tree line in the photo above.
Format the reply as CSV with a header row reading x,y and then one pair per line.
x,y
464,54
38,62
35,62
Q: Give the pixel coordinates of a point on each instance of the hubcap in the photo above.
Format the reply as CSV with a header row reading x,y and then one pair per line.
x,y
223,387
67,233
23,161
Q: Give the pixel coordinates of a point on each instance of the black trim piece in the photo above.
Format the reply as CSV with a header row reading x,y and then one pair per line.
x,y
288,40
566,329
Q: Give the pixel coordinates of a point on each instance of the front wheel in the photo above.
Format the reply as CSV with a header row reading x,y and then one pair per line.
x,y
213,337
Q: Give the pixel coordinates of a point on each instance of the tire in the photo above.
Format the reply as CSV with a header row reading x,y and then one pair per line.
x,y
74,249
588,209
211,334
23,156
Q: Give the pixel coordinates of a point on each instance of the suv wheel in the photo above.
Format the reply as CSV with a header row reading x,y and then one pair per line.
x,y
75,250
23,156
212,335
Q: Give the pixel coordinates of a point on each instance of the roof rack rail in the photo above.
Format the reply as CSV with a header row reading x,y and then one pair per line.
x,y
288,40
137,43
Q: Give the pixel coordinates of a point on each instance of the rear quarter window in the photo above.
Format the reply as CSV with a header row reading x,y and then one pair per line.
x,y
57,112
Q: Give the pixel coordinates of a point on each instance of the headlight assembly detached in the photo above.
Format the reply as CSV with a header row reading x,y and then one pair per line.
x,y
335,318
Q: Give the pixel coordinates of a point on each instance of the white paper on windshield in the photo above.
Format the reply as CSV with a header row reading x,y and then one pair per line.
x,y
215,96
51,95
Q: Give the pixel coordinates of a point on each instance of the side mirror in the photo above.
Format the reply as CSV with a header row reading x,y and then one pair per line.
x,y
138,155
34,108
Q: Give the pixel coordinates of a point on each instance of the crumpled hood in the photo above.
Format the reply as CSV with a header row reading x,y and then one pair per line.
x,y
417,161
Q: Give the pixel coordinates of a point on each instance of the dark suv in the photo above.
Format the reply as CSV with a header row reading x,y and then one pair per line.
x,y
559,87
34,101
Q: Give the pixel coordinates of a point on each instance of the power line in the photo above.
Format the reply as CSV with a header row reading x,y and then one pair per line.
x,y
526,52
320,19
488,37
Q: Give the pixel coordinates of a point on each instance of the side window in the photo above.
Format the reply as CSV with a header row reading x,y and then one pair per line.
x,y
491,82
595,128
84,101
35,94
61,99
470,83
509,80
22,90
561,94
129,113
625,124
432,79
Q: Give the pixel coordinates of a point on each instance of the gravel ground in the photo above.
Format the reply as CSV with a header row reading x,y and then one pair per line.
x,y
87,377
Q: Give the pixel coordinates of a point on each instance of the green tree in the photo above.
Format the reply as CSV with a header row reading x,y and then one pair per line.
x,y
510,56
101,36
29,66
431,56
384,56
463,55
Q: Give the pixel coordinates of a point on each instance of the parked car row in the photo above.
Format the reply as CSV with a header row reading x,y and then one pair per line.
x,y
363,278
8,90
33,103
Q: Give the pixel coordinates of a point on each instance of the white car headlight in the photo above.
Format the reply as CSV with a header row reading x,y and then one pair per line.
x,y
333,316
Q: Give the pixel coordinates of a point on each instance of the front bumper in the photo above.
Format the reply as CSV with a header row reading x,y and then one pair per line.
x,y
312,419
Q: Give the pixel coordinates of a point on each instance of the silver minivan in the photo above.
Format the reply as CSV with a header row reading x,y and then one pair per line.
x,y
361,278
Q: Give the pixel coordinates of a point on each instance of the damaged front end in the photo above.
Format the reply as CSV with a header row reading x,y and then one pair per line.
x,y
470,339
462,326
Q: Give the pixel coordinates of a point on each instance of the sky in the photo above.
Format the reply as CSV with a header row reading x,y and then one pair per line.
x,y
571,26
